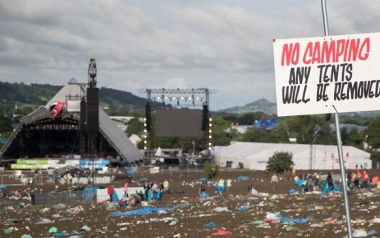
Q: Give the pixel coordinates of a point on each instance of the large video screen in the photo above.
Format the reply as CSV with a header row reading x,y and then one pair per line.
x,y
178,123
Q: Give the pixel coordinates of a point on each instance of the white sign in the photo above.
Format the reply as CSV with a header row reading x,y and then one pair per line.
x,y
315,74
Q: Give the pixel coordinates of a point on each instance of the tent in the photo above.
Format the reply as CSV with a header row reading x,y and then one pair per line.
x,y
316,157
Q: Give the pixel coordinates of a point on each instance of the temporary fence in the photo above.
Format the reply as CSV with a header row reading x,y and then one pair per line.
x,y
86,195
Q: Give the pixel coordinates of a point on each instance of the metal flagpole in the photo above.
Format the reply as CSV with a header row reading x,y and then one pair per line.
x,y
343,174
338,138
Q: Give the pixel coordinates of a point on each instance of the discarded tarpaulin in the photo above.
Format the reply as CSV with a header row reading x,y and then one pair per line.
x,y
210,225
3,186
143,211
221,233
242,178
276,218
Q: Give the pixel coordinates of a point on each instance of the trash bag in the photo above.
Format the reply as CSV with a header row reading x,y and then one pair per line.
x,y
243,208
142,211
359,233
53,229
242,178
221,233
210,225
204,195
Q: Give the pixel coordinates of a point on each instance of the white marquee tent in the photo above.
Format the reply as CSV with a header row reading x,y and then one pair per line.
x,y
324,157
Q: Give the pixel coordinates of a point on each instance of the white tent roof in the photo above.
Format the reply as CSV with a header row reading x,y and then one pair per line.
x,y
256,155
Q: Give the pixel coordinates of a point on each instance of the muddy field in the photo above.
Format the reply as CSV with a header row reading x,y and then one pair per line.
x,y
236,213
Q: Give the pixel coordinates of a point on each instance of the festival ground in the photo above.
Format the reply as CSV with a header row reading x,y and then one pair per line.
x,y
236,212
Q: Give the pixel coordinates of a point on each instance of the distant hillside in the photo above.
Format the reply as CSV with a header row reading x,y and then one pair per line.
x,y
29,97
261,105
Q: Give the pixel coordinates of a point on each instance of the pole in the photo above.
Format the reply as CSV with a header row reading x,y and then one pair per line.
x,y
343,175
325,20
338,137
311,157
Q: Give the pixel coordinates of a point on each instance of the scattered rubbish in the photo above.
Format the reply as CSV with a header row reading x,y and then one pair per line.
x,y
75,210
26,236
86,228
272,218
60,206
359,233
142,211
242,178
3,186
277,218
210,225
243,208
12,221
259,222
175,221
43,220
221,233
53,229
290,228
111,206
9,230
293,192
221,209
371,233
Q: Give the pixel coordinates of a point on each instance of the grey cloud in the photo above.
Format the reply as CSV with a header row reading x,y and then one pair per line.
x,y
209,44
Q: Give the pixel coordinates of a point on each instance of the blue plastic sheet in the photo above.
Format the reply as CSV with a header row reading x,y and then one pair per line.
x,y
210,225
243,208
242,178
204,195
131,170
202,180
142,211
3,186
294,220
336,188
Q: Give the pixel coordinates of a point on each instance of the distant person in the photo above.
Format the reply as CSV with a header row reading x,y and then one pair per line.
x,y
274,181
310,183
365,178
330,182
228,184
349,180
166,186
126,190
220,187
375,181
202,192
110,192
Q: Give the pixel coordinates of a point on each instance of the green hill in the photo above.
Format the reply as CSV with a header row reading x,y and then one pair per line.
x,y
261,105
28,97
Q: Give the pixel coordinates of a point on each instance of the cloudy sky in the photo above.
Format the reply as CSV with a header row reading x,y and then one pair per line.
x,y
223,45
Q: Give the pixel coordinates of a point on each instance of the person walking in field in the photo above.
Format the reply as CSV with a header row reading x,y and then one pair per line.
x,y
274,182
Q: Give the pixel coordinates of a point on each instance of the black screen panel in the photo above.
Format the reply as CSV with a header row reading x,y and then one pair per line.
x,y
178,123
